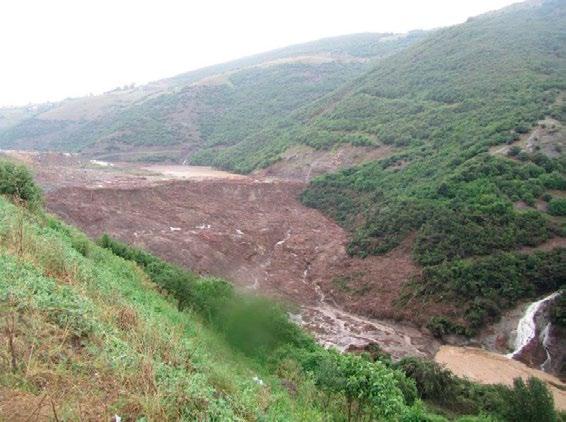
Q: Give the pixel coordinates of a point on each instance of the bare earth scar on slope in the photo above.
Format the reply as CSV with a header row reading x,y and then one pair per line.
x,y
252,231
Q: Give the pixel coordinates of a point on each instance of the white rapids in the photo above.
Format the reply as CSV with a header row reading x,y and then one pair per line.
x,y
544,336
526,329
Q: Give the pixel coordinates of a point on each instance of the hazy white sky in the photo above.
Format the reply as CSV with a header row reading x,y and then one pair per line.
x,y
52,49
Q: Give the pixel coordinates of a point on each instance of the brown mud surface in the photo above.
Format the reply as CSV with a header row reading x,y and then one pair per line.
x,y
303,163
250,230
492,368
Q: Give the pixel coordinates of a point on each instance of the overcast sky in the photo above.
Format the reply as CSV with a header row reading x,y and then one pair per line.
x,y
53,49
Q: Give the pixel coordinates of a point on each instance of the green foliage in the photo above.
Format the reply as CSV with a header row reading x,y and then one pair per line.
x,y
370,388
483,287
558,311
17,182
445,102
523,402
553,180
440,326
432,381
514,151
557,206
530,402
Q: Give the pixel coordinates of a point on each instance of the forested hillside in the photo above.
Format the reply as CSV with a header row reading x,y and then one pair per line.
x,y
478,113
207,109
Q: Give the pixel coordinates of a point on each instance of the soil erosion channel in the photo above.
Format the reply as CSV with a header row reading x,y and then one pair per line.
x,y
252,231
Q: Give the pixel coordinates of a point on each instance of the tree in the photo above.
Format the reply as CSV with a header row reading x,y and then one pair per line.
x,y
17,181
530,402
557,206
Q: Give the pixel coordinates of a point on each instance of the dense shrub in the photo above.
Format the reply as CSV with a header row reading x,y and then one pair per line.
x,y
483,287
524,402
558,311
553,180
557,206
529,402
514,151
17,182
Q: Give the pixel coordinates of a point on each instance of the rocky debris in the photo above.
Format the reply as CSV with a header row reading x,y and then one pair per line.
x,y
251,230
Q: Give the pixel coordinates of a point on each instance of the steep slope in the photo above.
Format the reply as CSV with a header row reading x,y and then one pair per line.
x,y
213,107
497,79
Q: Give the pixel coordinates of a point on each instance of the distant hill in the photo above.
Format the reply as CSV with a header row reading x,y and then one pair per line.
x,y
214,107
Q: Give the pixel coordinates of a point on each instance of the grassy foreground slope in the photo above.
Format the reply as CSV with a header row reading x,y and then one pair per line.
x,y
92,335
498,79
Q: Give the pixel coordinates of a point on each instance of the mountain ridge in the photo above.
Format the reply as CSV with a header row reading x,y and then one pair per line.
x,y
181,111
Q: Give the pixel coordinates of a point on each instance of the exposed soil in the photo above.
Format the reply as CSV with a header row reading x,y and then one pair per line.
x,y
302,163
250,230
547,137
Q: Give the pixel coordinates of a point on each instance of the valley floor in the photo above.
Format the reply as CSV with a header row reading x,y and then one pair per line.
x,y
251,230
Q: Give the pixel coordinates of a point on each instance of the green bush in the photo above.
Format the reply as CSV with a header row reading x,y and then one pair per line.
x,y
441,326
553,180
558,311
514,151
557,206
16,181
432,381
529,402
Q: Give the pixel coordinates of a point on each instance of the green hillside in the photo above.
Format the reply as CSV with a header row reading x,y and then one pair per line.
x,y
448,102
206,109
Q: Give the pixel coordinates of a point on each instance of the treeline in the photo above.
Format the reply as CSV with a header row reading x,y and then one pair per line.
x,y
467,212
481,288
